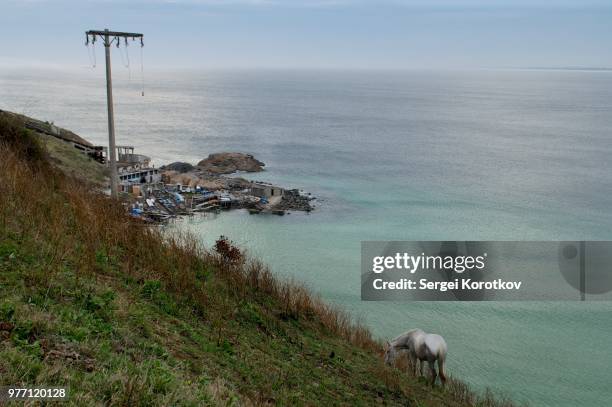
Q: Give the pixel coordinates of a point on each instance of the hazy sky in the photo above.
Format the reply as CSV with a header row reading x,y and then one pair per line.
x,y
318,33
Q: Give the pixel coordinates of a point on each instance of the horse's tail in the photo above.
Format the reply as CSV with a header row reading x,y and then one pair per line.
x,y
441,370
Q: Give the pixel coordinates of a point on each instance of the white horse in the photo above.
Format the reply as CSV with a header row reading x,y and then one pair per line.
x,y
421,347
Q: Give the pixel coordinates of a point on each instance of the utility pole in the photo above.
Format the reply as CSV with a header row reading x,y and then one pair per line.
x,y
108,37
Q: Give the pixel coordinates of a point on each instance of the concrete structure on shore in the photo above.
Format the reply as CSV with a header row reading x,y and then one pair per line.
x,y
266,191
134,169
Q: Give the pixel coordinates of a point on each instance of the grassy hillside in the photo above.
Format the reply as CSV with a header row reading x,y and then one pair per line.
x,y
73,162
93,300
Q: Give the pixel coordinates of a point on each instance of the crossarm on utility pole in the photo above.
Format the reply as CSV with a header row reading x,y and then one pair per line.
x,y
114,34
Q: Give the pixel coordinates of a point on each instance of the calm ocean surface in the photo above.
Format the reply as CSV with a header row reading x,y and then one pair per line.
x,y
482,155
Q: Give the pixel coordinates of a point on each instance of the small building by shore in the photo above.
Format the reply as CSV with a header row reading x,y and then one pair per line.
x,y
134,170
266,191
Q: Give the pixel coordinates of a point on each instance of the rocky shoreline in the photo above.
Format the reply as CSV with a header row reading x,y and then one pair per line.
x,y
213,175
294,200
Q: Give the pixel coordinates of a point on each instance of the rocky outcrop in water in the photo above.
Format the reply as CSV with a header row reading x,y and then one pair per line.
x,y
227,163
179,167
294,201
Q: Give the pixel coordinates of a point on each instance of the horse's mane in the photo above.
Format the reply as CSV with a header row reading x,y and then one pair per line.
x,y
407,333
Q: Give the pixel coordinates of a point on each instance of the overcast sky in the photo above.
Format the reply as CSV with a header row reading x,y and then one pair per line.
x,y
357,34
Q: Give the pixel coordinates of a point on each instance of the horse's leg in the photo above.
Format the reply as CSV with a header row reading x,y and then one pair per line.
x,y
413,362
441,370
420,368
432,368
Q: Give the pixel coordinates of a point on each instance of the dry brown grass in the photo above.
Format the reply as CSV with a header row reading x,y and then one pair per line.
x,y
40,201
252,279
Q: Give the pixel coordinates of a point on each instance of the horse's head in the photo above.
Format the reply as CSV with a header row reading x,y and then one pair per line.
x,y
389,354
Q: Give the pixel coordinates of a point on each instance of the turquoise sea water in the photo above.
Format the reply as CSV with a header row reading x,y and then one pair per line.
x,y
482,155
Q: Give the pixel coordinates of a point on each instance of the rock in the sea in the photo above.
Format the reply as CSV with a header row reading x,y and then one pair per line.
x,y
293,200
179,167
227,163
